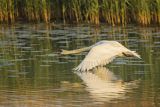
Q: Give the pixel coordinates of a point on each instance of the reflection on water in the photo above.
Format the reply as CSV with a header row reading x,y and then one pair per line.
x,y
32,73
104,85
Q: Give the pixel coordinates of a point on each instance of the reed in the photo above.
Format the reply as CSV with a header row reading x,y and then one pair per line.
x,y
37,10
7,10
75,12
113,12
91,11
141,11
156,11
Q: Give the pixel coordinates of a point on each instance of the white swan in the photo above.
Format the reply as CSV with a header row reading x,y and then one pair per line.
x,y
101,54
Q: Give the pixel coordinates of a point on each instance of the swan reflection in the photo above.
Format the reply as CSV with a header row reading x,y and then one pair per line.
x,y
104,85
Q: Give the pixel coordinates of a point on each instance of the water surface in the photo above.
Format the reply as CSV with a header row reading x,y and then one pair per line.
x,y
32,73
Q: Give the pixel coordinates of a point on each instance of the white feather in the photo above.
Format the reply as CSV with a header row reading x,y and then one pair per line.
x,y
103,53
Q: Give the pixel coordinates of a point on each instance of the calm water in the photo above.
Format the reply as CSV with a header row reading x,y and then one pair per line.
x,y
32,73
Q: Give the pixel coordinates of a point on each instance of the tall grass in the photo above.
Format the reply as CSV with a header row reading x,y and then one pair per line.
x,y
141,11
37,10
113,12
7,10
156,11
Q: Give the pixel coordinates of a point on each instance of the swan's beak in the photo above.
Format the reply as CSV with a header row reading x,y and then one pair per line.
x,y
64,52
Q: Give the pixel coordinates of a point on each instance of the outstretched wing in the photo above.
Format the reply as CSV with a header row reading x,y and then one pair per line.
x,y
99,55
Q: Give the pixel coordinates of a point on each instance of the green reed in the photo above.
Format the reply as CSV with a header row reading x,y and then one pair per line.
x,y
113,12
37,10
141,11
91,11
156,11
7,10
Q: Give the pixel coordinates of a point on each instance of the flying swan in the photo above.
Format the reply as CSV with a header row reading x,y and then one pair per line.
x,y
100,54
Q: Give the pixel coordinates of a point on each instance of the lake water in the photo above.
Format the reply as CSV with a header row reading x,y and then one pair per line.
x,y
34,74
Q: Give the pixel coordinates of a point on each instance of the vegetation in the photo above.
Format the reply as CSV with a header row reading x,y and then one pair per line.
x,y
143,12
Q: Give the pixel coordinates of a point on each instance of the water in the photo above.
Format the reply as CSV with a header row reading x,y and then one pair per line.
x,y
32,73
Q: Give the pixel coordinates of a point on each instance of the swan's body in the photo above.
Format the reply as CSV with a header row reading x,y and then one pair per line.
x,y
101,54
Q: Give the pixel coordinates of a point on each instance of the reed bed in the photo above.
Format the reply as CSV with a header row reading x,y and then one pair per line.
x,y
113,12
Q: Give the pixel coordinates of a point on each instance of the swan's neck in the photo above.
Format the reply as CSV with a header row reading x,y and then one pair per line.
x,y
65,52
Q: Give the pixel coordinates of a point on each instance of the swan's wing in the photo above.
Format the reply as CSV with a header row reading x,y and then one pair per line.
x,y
99,55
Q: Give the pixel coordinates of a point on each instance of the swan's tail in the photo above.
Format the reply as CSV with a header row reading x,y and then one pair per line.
x,y
136,54
131,54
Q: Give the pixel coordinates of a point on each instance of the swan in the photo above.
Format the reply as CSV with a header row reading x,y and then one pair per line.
x,y
100,54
